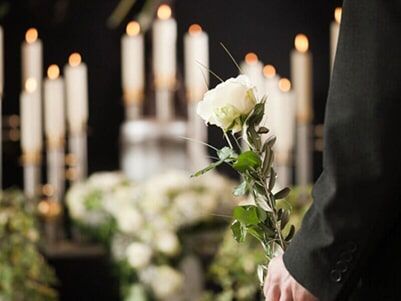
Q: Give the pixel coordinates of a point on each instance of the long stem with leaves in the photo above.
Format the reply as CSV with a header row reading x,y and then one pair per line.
x,y
264,219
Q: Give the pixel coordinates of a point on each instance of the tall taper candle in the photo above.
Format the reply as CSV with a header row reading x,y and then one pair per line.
x,y
133,70
334,32
164,61
76,80
196,62
301,72
1,102
285,132
272,91
55,129
196,59
253,68
32,56
31,136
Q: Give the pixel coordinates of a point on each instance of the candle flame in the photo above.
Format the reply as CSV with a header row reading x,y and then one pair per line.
x,y
133,28
74,59
31,85
284,84
53,71
194,29
31,35
251,58
337,14
164,12
269,71
301,43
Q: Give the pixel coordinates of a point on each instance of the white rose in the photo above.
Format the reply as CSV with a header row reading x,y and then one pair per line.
x,y
138,255
129,220
167,243
224,105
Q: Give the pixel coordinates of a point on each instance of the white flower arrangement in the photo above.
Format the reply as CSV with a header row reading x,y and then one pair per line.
x,y
145,219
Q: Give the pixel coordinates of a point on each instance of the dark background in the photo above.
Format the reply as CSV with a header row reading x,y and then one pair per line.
x,y
265,27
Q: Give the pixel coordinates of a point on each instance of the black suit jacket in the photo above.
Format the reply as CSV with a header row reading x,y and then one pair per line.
x,y
351,236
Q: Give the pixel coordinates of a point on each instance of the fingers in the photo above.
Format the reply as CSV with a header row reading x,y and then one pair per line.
x,y
286,296
273,293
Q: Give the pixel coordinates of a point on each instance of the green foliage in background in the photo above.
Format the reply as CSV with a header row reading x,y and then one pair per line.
x,y
24,273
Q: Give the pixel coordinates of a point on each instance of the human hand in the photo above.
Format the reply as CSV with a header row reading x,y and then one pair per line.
x,y
281,286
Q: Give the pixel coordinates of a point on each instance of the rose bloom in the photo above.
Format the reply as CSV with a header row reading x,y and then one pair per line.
x,y
227,103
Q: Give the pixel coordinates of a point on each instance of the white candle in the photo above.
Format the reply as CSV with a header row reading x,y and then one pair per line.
x,y
1,63
76,81
54,105
285,117
334,33
132,63
32,53
164,47
301,73
196,62
272,91
253,68
31,119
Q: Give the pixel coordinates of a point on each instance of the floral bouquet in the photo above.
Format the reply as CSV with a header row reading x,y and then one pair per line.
x,y
233,107
144,225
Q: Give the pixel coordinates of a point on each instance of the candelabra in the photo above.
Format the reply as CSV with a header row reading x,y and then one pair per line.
x,y
164,92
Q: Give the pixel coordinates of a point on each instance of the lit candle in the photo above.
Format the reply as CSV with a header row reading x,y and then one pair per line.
x,y
334,33
164,48
285,113
32,54
31,119
285,132
76,81
132,61
301,72
1,63
271,80
54,106
253,68
196,53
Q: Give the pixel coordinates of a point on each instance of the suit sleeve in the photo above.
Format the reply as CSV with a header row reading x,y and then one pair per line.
x,y
357,197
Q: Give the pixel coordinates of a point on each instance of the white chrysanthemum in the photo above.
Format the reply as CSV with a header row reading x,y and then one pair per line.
x,y
164,281
106,180
138,255
167,242
129,220
227,103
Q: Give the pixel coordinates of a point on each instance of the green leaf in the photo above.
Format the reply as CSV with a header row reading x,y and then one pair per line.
x,y
256,232
290,234
263,130
272,179
247,215
241,189
282,194
238,230
268,161
246,161
256,115
225,153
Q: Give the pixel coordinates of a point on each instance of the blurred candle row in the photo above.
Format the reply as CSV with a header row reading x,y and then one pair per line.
x,y
164,62
63,100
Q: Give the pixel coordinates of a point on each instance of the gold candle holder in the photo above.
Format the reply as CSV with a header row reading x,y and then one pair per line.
x,y
165,87
133,100
31,161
